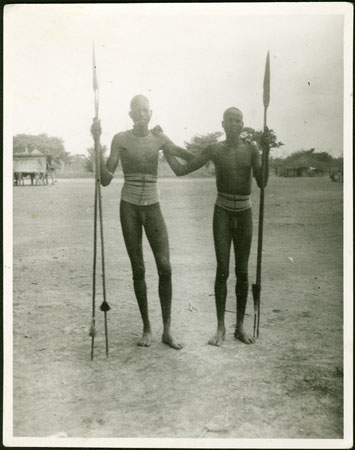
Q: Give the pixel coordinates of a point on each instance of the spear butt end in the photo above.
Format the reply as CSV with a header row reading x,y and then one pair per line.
x,y
105,306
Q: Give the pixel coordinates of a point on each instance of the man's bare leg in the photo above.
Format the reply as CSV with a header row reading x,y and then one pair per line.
x,y
241,291
220,298
222,237
165,294
140,290
157,235
132,234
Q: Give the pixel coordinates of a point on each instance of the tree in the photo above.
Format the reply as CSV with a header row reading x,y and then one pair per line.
x,y
255,136
90,160
199,142
338,162
77,163
49,145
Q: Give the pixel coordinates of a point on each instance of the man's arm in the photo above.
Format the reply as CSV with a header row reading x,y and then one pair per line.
x,y
106,168
180,152
168,146
193,164
257,165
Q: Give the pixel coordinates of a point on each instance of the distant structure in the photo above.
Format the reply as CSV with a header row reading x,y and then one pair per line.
x,y
308,163
34,165
301,169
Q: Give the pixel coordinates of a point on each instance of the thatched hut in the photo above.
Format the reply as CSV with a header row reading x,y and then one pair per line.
x,y
34,164
303,166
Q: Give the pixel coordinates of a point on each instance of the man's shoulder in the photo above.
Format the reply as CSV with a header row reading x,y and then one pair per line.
x,y
214,148
121,137
122,134
161,137
251,145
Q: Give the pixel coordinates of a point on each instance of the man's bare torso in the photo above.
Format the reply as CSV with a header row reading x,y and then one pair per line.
x,y
233,165
139,155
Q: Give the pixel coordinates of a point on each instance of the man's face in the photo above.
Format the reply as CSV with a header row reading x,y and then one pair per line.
x,y
233,123
140,112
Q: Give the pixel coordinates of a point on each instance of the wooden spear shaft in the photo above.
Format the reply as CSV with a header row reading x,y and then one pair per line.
x,y
257,285
98,203
92,332
104,306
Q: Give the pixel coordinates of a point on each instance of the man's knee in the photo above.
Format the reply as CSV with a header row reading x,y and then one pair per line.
x,y
242,286
222,274
138,272
242,276
164,268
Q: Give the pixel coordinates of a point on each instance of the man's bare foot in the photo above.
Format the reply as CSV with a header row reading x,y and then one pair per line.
x,y
145,340
218,338
169,340
242,336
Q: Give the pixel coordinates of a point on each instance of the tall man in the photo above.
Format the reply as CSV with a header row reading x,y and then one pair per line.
x,y
235,161
138,151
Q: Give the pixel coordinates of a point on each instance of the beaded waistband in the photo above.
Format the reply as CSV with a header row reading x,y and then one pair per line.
x,y
233,202
140,189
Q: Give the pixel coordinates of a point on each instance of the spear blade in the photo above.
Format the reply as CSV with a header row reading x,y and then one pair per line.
x,y
266,94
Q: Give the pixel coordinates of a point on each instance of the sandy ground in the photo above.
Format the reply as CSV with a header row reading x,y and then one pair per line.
x,y
287,385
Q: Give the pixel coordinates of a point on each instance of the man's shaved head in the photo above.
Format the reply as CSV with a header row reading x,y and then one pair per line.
x,y
232,123
230,110
138,100
140,113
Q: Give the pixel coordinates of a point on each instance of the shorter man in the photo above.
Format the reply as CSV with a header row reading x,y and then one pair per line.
x,y
235,161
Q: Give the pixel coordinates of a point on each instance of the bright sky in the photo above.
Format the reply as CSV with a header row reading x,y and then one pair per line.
x,y
191,60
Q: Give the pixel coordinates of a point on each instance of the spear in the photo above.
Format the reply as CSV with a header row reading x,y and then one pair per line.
x,y
257,286
98,206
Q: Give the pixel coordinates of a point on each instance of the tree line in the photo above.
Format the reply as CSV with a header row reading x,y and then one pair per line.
x,y
49,145
321,161
54,147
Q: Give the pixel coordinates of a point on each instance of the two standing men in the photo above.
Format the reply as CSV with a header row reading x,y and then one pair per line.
x,y
235,161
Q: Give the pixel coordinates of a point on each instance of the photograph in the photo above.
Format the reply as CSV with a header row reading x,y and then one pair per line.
x,y
178,225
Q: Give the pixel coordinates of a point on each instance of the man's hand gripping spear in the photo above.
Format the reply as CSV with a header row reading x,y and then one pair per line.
x,y
96,131
265,155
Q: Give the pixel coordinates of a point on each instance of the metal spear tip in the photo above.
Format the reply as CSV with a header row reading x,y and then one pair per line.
x,y
266,96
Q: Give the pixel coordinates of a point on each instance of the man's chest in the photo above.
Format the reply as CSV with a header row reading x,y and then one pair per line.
x,y
143,150
234,158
